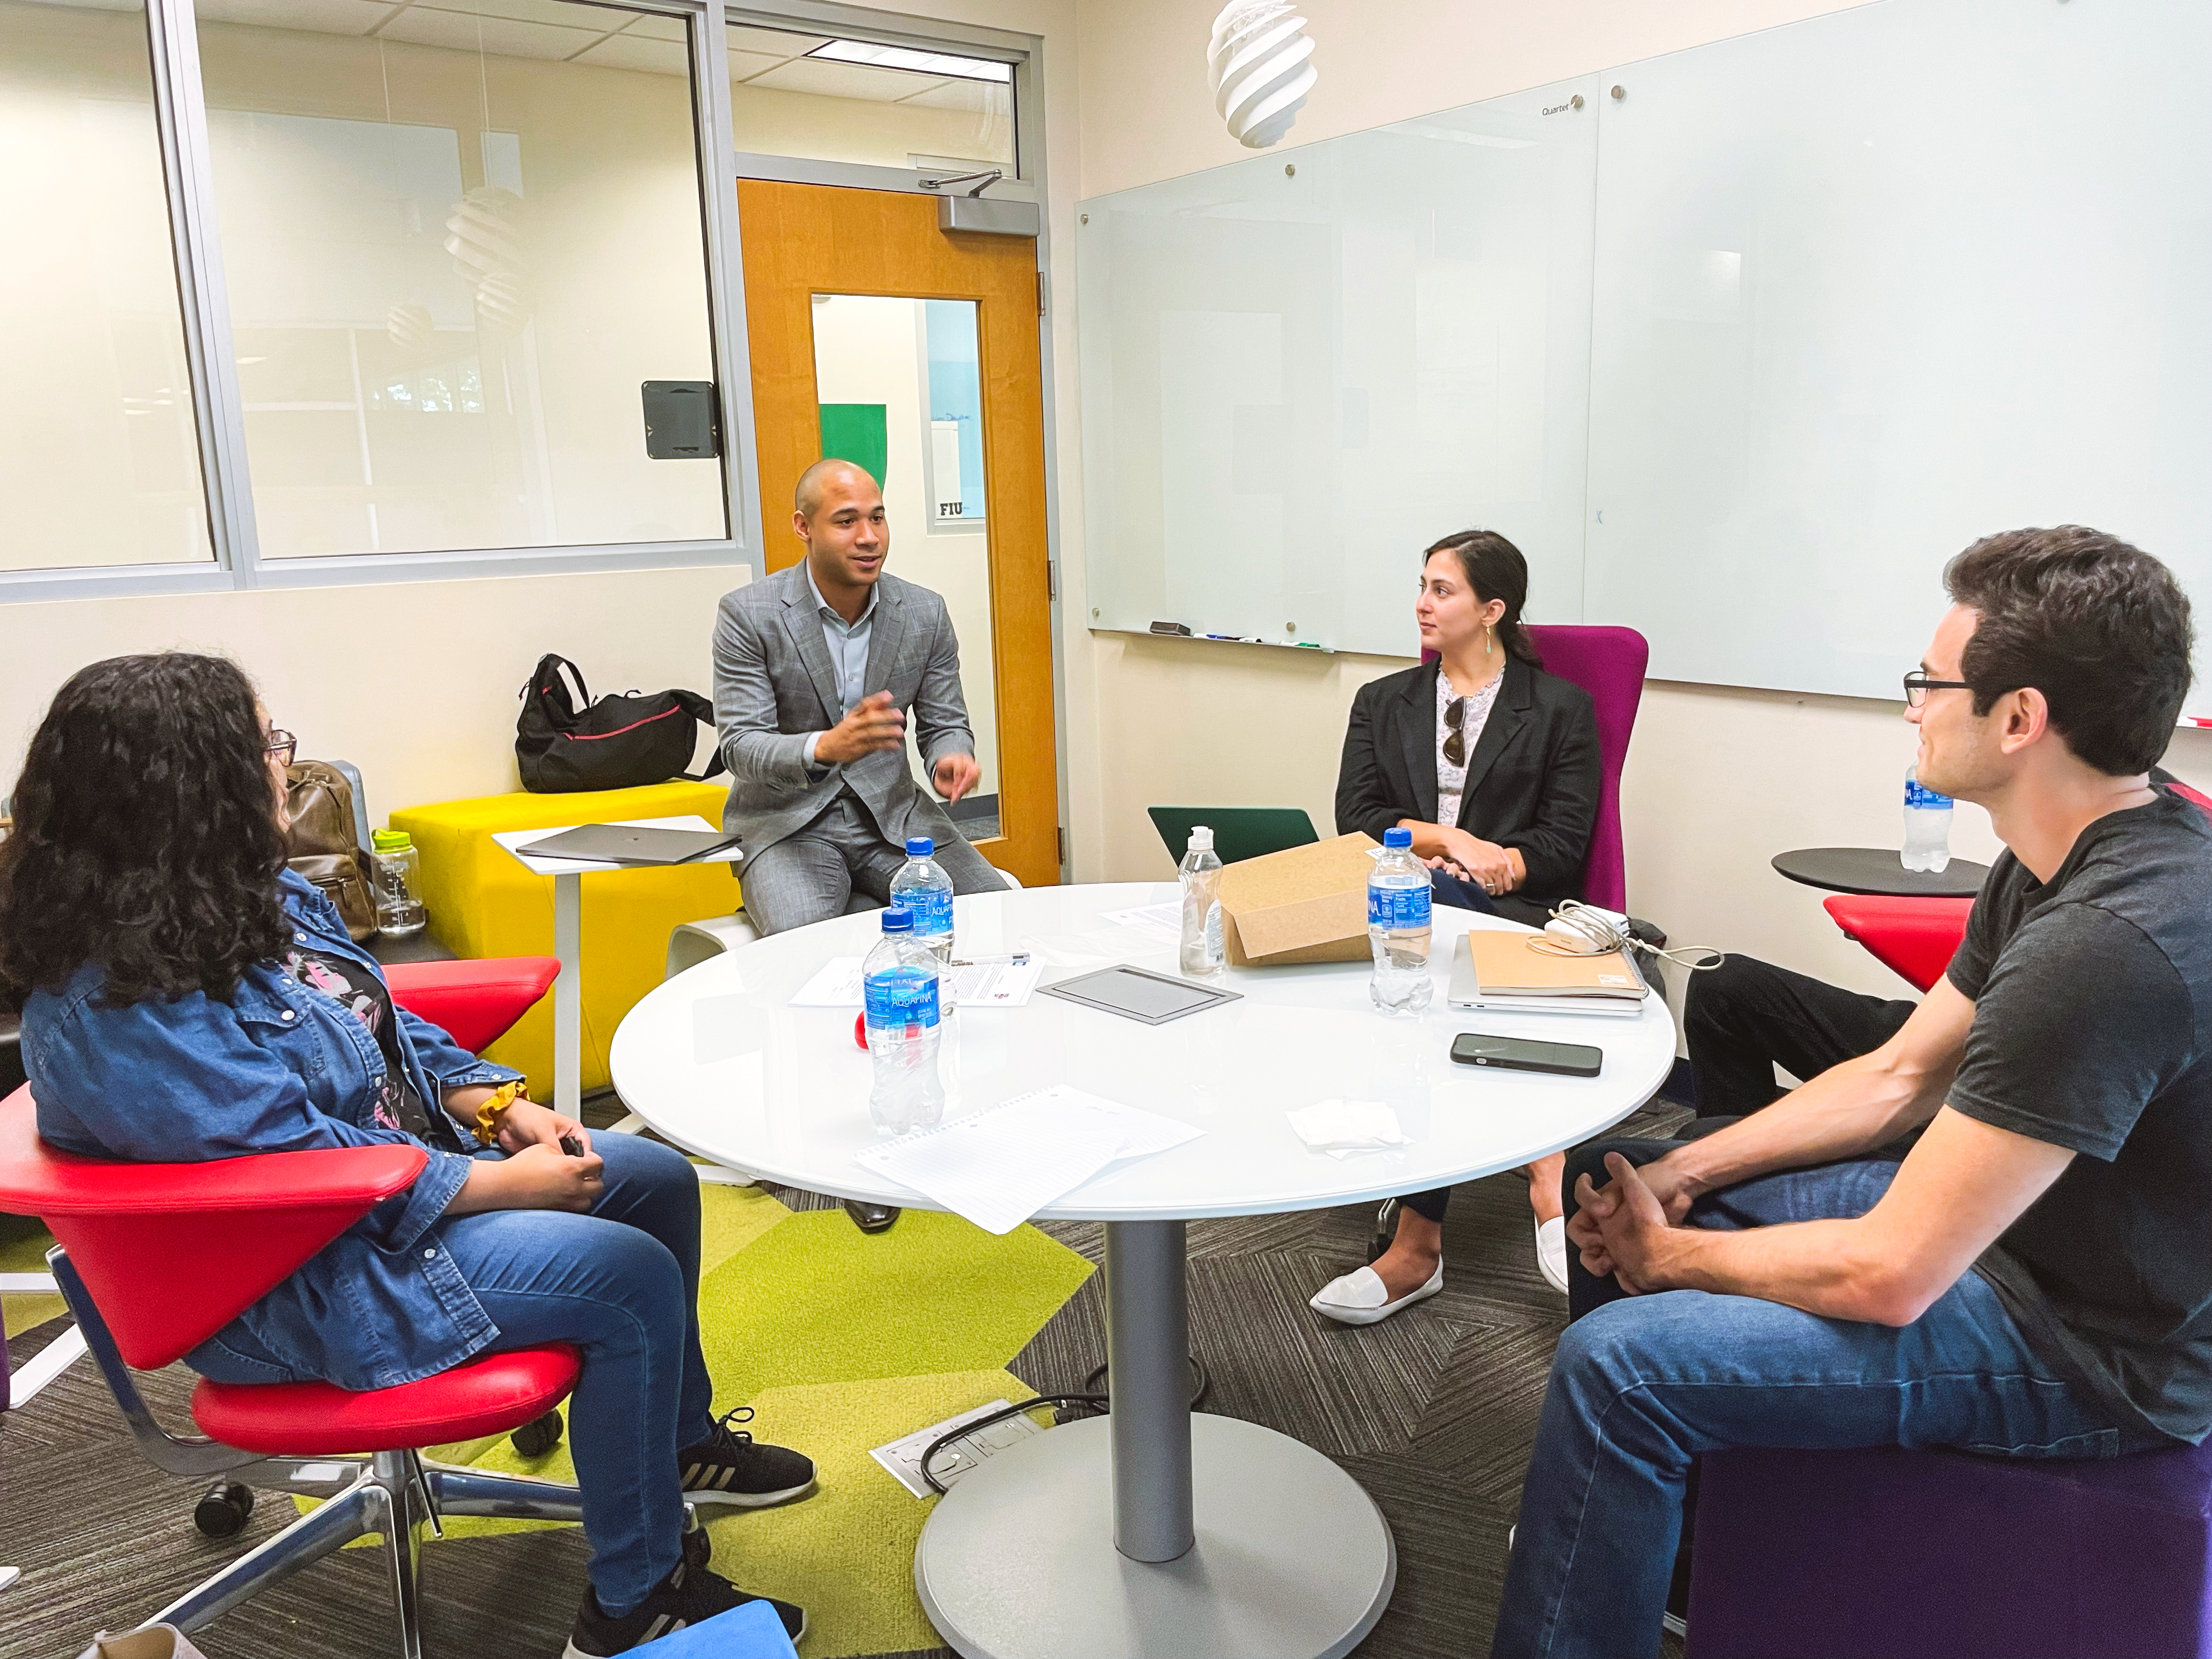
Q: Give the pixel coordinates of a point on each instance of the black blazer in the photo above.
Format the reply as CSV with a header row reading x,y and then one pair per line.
x,y
1532,781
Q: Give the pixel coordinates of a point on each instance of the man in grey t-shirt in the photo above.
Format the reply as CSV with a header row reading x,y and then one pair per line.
x,y
2030,1278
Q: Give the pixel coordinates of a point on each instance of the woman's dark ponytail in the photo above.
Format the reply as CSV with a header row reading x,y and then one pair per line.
x,y
1495,570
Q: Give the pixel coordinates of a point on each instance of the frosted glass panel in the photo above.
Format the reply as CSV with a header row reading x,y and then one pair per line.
x,y
1871,286
1300,370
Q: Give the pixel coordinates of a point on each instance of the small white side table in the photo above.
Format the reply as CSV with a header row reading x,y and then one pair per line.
x,y
567,939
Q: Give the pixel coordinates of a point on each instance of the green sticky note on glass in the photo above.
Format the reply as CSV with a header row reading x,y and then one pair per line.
x,y
859,433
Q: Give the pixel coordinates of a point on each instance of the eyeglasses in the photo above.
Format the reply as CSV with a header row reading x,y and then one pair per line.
x,y
283,745
1917,686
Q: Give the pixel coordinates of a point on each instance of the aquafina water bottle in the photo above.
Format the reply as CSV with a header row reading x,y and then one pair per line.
x,y
899,986
1927,825
923,887
1398,927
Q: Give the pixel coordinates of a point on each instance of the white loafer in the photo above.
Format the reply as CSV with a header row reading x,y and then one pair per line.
x,y
1552,1252
1360,1297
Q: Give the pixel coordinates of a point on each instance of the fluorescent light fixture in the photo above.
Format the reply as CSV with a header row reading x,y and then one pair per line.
x,y
906,58
251,360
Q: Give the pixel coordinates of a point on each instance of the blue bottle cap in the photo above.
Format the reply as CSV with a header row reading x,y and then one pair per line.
x,y
1397,837
920,847
899,920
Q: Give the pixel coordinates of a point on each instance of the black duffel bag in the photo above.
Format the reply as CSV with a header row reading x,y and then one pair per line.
x,y
565,743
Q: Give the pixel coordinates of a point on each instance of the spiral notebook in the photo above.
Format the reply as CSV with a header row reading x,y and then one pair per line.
x,y
999,1166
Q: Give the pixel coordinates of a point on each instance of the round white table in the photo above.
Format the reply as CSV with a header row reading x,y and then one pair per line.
x,y
1152,1530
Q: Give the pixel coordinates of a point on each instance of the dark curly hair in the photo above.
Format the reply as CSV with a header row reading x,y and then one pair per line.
x,y
146,834
1496,570
2100,628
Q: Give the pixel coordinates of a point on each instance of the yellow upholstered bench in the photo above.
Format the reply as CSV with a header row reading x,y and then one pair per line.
x,y
483,904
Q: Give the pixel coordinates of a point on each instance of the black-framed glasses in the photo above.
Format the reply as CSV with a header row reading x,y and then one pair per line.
x,y
1456,744
283,745
1917,686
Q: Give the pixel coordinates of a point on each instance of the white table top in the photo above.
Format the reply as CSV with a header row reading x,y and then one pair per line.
x,y
511,839
718,1062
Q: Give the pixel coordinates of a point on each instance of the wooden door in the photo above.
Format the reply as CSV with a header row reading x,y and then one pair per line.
x,y
803,241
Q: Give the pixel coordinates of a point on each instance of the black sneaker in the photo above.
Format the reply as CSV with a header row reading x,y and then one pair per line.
x,y
730,1466
689,1596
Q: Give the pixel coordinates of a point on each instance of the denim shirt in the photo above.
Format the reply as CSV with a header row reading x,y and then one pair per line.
x,y
280,1067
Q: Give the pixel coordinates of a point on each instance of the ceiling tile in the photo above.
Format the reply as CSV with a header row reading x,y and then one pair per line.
x,y
830,80
775,43
642,27
976,95
744,65
593,20
311,16
628,52
500,37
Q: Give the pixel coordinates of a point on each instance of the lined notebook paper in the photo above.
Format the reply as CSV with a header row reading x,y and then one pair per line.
x,y
999,1166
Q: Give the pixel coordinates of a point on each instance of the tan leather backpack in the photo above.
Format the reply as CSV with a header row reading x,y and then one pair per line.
x,y
321,843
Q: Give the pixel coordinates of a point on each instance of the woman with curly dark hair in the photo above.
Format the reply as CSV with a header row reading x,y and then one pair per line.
x,y
185,996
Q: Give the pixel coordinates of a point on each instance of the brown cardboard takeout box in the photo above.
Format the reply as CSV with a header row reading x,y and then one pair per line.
x,y
1304,904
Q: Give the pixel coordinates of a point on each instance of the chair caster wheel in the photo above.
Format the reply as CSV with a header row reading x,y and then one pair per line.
x,y
224,1511
537,1437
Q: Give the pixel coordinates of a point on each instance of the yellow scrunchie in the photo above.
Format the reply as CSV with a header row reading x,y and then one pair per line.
x,y
488,1114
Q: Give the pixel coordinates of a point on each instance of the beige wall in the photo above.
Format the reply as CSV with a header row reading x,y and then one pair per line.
x,y
1717,780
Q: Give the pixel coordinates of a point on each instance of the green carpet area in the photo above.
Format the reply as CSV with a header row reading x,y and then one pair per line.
x,y
27,1254
841,1341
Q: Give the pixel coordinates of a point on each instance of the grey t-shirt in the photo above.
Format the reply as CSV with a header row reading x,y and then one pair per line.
x,y
2093,1030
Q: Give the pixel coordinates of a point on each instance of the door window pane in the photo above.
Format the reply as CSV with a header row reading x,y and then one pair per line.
x,y
99,458
456,243
829,99
896,382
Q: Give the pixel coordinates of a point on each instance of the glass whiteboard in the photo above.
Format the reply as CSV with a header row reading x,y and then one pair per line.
x,y
1873,285
1739,359
1300,370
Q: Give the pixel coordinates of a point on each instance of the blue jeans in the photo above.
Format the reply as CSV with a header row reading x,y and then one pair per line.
x,y
1640,1386
622,1284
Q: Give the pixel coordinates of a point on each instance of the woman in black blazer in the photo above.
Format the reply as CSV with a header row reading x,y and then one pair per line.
x,y
1494,765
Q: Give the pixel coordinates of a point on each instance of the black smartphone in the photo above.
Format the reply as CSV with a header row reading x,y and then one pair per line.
x,y
1522,1054
574,1147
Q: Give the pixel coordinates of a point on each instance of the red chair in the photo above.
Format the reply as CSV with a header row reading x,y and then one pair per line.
x,y
153,1259
1917,937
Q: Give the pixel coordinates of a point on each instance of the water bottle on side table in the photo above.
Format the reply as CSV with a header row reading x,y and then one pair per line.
x,y
398,873
1201,904
1397,927
1927,825
923,887
899,988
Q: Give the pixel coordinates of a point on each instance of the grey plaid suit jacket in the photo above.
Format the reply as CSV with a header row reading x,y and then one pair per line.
x,y
774,686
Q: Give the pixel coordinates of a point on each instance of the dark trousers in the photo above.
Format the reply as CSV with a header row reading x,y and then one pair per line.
x,y
1746,1016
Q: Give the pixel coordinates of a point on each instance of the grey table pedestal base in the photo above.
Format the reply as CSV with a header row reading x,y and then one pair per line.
x,y
1153,1533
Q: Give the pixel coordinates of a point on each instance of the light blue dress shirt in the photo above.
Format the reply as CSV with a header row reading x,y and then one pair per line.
x,y
848,655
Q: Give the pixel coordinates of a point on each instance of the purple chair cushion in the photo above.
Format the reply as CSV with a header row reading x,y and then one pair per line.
x,y
1891,1554
1608,663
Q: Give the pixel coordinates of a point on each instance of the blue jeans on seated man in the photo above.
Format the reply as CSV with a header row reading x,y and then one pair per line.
x,y
622,1284
1642,1384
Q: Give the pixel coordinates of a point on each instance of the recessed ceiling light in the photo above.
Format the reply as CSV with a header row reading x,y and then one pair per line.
x,y
242,361
906,58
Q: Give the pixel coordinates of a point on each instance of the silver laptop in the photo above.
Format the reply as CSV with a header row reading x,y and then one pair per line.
x,y
1464,991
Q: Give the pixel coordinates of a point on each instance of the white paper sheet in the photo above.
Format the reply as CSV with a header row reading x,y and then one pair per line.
x,y
1345,1128
836,984
999,1166
1164,918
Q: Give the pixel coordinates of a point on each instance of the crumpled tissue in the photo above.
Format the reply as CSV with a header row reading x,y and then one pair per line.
x,y
1344,1127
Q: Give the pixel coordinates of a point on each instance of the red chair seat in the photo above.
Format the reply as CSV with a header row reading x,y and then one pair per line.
x,y
492,1394
1916,937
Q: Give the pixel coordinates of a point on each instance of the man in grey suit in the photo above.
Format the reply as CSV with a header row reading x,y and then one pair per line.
x,y
815,669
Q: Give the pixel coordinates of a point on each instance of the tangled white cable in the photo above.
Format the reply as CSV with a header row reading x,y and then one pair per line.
x,y
1576,929
1256,65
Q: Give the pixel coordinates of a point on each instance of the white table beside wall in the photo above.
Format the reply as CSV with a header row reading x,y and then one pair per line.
x,y
1153,1531
567,938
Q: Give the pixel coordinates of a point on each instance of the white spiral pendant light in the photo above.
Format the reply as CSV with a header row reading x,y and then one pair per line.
x,y
1258,67
487,252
